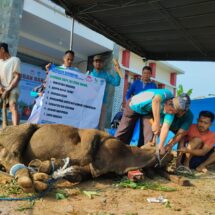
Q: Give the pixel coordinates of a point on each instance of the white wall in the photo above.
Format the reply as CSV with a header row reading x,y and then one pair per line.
x,y
162,74
136,63
54,14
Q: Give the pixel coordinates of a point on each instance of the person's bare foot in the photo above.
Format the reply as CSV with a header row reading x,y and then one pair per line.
x,y
201,169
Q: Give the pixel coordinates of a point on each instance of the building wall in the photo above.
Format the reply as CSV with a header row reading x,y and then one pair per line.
x,y
136,63
11,15
162,74
118,91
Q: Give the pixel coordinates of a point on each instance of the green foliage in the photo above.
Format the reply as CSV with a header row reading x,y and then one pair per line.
x,y
167,205
11,188
61,194
144,185
189,92
180,90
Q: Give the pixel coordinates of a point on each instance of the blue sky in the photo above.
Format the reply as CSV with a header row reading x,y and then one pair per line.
x,y
200,76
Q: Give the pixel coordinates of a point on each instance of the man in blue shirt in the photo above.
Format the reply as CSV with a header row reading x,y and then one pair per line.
x,y
137,87
154,103
110,79
141,85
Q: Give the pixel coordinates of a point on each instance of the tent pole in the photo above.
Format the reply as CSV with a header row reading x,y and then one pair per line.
x,y
71,34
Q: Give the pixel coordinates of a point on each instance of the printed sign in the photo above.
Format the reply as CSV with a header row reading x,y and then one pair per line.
x,y
72,98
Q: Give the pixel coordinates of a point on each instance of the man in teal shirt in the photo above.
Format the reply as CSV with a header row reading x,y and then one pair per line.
x,y
110,79
154,103
180,125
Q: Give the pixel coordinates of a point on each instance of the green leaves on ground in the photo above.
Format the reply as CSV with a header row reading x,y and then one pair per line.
x,y
91,194
61,194
144,185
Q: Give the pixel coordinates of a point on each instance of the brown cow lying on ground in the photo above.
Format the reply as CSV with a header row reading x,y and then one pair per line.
x,y
91,152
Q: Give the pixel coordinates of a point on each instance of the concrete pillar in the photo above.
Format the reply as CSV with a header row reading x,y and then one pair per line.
x,y
114,94
118,92
108,57
10,19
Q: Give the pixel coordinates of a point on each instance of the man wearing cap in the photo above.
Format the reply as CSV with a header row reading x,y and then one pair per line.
x,y
180,125
155,103
9,79
98,72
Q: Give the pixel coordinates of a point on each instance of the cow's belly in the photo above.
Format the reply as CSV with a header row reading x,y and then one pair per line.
x,y
52,141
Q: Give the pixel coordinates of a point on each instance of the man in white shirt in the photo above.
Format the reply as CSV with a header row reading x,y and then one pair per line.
x,y
9,80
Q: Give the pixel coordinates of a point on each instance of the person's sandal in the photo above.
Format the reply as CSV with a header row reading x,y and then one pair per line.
x,y
184,170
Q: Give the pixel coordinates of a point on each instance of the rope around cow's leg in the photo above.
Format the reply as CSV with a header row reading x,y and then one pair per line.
x,y
58,174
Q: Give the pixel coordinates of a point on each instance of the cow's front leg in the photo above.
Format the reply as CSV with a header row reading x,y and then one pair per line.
x,y
22,175
28,179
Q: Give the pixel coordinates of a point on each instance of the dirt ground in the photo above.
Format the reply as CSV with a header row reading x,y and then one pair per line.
x,y
198,199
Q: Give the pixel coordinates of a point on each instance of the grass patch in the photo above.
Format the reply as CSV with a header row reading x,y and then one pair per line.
x,y
10,188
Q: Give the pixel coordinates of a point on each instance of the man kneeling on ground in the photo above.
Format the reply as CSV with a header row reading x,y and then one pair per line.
x,y
199,152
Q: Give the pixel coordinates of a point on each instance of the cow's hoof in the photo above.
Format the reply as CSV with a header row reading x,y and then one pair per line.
x,y
41,166
40,176
40,186
25,182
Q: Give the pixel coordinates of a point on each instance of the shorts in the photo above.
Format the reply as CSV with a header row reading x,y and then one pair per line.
x,y
197,160
13,97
